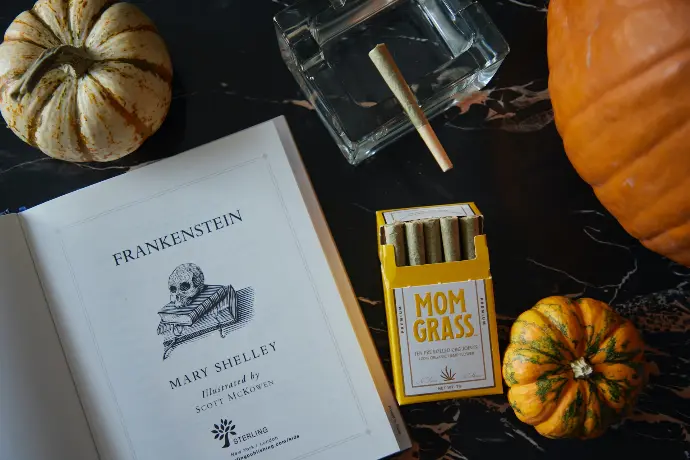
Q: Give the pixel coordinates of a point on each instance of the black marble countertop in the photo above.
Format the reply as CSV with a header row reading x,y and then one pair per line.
x,y
547,232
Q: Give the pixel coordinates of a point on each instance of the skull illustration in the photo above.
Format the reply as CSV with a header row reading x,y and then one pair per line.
x,y
185,282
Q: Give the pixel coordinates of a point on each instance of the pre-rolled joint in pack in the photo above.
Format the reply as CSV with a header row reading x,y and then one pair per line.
x,y
441,313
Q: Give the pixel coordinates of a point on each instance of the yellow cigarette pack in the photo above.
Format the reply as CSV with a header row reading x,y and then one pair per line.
x,y
441,318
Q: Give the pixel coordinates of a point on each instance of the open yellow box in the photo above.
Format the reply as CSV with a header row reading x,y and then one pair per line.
x,y
441,318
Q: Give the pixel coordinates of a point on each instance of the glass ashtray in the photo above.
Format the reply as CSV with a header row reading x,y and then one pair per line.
x,y
446,50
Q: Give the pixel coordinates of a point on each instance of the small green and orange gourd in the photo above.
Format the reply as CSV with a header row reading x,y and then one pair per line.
x,y
574,367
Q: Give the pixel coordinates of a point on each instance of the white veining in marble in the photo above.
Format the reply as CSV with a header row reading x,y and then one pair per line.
x,y
522,434
24,164
541,9
626,277
503,107
590,211
369,301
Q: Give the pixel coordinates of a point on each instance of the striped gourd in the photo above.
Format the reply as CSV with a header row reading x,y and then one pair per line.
x,y
573,367
84,80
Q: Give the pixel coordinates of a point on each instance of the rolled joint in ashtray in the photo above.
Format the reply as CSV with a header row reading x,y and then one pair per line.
x,y
389,70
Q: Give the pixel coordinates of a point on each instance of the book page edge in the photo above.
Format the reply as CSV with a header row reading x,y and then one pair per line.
x,y
357,320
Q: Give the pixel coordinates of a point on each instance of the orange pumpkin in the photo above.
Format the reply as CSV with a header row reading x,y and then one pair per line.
x,y
573,367
620,84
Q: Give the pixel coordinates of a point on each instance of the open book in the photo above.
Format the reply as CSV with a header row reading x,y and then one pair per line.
x,y
195,308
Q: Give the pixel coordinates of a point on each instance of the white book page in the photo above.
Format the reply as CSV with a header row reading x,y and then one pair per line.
x,y
263,343
40,414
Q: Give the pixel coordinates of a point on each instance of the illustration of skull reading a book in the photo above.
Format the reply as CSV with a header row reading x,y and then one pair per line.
x,y
195,308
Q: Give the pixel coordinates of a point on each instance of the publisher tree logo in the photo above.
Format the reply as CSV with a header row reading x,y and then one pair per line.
x,y
223,431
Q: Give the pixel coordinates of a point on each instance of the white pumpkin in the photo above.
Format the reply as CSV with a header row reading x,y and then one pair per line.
x,y
84,80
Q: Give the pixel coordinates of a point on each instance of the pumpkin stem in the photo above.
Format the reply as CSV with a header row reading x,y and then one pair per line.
x,y
581,368
76,58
